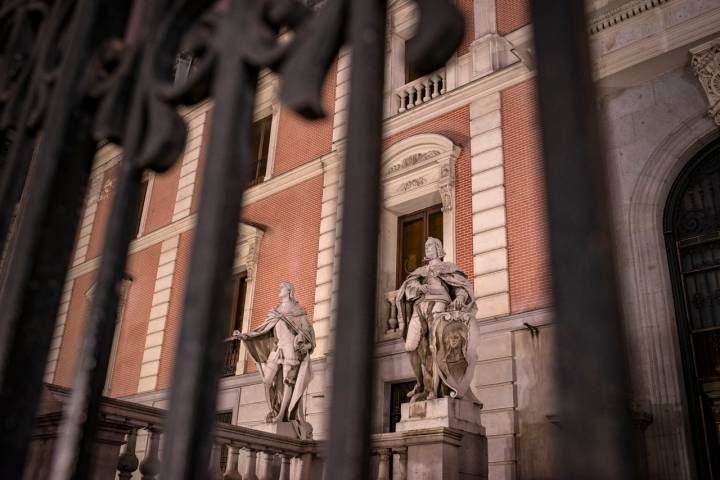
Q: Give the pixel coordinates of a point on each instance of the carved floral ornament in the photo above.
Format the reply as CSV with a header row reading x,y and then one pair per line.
x,y
705,64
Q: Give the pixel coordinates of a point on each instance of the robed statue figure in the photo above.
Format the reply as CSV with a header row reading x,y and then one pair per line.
x,y
438,301
281,347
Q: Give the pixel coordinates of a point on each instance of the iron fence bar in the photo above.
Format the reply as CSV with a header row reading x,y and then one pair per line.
x,y
353,366
74,451
592,373
41,250
197,369
17,112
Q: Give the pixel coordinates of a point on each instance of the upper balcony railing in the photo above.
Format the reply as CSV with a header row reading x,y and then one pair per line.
x,y
420,91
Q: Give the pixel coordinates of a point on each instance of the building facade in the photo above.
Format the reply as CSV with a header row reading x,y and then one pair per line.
x,y
462,162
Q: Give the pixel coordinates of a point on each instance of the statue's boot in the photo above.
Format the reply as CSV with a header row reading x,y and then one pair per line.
x,y
416,364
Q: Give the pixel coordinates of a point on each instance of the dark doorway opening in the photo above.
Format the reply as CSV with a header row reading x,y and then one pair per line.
x,y
692,233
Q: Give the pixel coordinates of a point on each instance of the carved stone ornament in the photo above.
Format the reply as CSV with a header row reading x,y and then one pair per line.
x,y
436,312
414,183
411,160
706,66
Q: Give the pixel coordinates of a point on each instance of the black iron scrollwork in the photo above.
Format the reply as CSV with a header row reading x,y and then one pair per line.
x,y
121,89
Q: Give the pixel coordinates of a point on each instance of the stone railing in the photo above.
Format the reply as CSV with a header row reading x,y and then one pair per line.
x,y
129,442
238,453
420,91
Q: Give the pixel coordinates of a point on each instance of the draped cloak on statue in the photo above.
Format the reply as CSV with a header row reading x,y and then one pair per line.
x,y
266,348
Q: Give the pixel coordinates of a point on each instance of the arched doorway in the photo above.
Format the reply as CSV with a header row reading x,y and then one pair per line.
x,y
692,233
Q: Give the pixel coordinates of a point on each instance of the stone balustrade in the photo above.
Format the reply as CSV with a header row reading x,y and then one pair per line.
x,y
420,91
130,437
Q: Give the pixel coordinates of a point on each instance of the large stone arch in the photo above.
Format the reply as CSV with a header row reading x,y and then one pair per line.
x,y
648,299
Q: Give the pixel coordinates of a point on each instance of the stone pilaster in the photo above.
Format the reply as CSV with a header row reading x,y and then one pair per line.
x,y
490,260
158,315
54,351
88,219
189,168
490,52
342,95
322,311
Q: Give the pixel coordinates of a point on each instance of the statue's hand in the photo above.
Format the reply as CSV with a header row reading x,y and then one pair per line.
x,y
423,289
459,302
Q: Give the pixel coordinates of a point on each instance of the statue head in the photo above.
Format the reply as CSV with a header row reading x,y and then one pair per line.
x,y
287,291
434,249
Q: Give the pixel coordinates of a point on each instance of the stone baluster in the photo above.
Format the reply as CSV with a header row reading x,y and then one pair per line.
x,y
435,85
215,472
250,465
384,464
392,321
150,466
400,101
418,91
402,463
284,466
128,461
410,92
442,79
427,85
231,469
264,466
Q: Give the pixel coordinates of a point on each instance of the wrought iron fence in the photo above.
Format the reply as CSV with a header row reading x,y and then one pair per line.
x,y
74,73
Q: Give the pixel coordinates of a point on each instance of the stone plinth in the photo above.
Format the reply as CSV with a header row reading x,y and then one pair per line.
x,y
464,460
284,429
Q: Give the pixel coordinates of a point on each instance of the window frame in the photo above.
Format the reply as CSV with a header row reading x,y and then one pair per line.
x,y
401,220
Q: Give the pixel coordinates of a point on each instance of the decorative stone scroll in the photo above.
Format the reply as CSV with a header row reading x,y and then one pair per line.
x,y
705,63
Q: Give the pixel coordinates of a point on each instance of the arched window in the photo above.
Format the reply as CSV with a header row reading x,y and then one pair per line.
x,y
692,233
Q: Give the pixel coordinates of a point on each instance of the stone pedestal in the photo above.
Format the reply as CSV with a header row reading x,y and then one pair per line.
x,y
284,429
463,460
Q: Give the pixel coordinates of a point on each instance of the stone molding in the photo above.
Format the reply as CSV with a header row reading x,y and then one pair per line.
x,y
618,15
650,322
418,172
669,25
705,62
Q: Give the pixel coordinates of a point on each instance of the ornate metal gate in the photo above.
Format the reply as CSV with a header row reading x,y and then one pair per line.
x,y
75,73
693,238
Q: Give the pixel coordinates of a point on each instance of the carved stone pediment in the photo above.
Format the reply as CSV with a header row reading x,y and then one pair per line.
x,y
420,166
705,64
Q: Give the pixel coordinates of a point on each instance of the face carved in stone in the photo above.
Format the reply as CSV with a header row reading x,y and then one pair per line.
x,y
285,291
433,247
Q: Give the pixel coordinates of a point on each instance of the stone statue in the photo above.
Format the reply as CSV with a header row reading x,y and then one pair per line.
x,y
439,302
281,347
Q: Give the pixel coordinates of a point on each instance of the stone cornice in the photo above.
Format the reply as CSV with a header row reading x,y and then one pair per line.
x,y
620,14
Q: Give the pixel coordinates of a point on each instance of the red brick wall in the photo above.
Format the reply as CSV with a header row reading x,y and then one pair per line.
x,y
466,8
162,198
74,329
107,193
177,297
528,259
289,247
511,15
456,126
299,140
142,268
